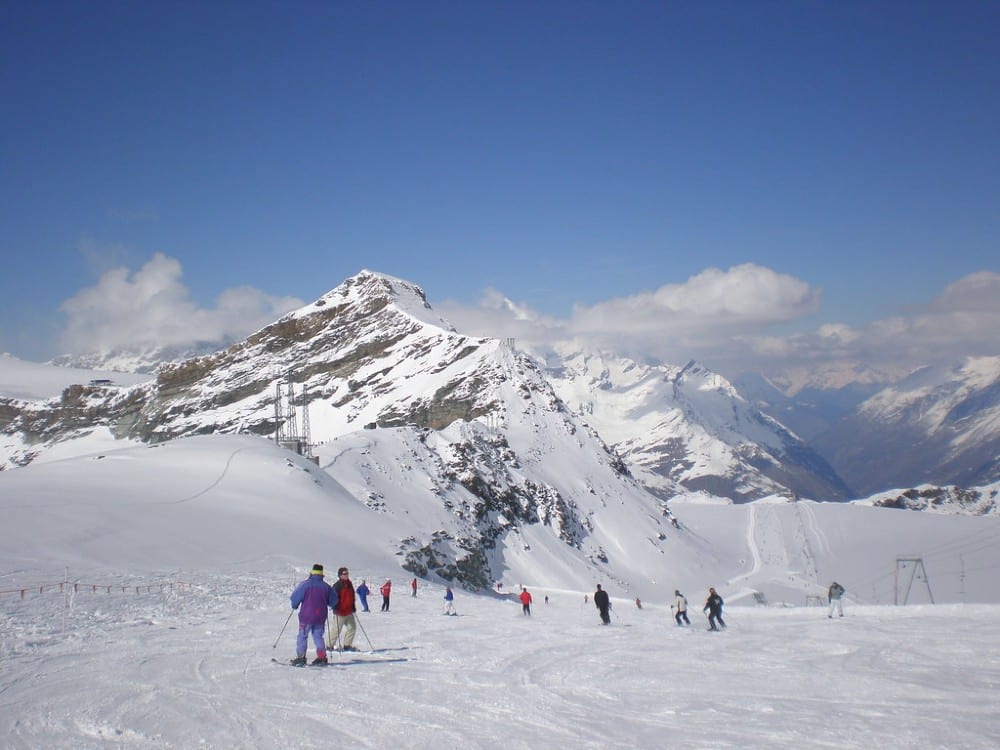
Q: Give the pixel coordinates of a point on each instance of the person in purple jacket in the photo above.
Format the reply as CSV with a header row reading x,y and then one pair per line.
x,y
313,597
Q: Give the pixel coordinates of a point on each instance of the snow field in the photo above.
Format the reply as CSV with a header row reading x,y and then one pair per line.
x,y
192,668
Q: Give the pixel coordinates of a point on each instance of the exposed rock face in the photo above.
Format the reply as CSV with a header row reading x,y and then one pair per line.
x,y
978,501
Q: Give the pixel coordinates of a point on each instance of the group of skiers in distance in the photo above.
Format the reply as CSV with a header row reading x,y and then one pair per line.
x,y
313,598
713,606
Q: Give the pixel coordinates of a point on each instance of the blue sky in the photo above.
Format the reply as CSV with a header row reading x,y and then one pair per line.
x,y
810,169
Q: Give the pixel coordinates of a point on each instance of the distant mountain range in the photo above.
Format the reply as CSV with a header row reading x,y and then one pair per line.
x,y
373,352
688,427
145,360
940,425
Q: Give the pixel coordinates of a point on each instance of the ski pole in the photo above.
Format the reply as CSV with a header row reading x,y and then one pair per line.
x,y
283,629
370,646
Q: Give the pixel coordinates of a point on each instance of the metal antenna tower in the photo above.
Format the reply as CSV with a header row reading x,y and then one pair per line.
x,y
306,430
286,431
918,571
279,417
292,423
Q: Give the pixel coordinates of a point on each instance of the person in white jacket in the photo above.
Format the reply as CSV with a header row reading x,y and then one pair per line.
x,y
835,596
680,607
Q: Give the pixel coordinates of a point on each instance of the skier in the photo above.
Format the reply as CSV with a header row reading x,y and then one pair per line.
x,y
525,598
680,607
713,608
386,590
833,596
449,602
312,598
413,585
603,604
363,591
345,609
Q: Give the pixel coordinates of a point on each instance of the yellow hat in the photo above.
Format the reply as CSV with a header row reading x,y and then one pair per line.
x,y
317,570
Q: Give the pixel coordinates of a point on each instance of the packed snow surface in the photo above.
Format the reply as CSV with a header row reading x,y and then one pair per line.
x,y
191,667
144,593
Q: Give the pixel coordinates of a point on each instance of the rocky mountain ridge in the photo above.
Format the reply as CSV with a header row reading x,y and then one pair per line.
x,y
951,500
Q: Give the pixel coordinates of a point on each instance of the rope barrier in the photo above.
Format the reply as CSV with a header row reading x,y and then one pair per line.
x,y
78,586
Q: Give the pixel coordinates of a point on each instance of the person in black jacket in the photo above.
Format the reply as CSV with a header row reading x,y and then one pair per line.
x,y
835,596
713,608
603,604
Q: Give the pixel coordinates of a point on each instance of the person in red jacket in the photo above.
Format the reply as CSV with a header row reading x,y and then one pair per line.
x,y
344,610
413,585
525,598
386,590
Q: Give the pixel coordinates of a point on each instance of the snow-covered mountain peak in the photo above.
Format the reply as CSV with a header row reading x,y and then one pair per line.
x,y
700,378
369,290
932,393
689,427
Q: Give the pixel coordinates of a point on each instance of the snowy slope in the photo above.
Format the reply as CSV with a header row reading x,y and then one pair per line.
x,y
228,502
178,561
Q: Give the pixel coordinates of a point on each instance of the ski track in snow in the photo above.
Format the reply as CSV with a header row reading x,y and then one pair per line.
x,y
194,670
814,527
752,547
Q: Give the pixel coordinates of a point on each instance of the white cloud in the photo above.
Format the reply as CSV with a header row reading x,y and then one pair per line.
x,y
701,315
152,307
977,292
964,320
726,318
675,322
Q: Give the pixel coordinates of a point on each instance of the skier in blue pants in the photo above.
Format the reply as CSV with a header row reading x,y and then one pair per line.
x,y
313,597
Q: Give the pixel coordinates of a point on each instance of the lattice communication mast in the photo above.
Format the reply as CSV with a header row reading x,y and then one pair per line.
x,y
286,432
